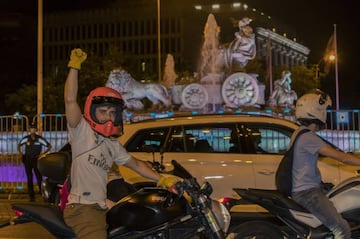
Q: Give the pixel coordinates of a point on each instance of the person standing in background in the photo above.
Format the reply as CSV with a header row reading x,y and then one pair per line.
x,y
34,146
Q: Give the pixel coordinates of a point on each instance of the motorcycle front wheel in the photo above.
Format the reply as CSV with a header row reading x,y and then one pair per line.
x,y
255,229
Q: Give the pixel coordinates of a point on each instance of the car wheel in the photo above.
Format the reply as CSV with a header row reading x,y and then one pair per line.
x,y
256,229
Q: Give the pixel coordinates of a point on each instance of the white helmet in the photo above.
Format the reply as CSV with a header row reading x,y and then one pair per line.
x,y
312,106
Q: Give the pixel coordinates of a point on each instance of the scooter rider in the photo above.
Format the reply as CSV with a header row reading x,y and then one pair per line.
x,y
307,191
94,149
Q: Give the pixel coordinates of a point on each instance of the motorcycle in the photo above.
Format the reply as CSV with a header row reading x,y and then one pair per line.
x,y
287,219
150,212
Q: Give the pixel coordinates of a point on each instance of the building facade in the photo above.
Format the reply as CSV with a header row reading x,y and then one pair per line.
x,y
132,27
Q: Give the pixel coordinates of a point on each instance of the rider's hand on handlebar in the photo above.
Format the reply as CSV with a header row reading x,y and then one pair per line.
x,y
168,182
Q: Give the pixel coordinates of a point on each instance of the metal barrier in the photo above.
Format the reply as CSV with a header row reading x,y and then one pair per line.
x,y
342,130
53,128
12,129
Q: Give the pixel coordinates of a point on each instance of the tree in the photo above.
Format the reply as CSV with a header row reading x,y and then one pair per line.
x,y
23,100
303,79
94,73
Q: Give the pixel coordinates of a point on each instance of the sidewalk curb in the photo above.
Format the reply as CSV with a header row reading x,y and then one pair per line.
x,y
13,196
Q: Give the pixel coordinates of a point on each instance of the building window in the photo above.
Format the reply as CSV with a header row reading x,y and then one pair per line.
x,y
50,31
130,29
101,30
112,30
124,28
78,31
95,31
61,34
136,28
89,32
148,27
172,26
142,28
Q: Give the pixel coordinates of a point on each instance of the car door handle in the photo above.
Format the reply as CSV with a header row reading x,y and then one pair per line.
x,y
266,172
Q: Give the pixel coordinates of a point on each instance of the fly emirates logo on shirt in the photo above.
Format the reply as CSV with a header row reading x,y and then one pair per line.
x,y
101,163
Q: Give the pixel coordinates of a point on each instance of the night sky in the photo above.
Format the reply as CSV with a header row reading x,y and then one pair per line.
x,y
313,21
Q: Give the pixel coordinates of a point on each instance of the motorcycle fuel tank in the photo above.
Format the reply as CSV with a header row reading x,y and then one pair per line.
x,y
146,208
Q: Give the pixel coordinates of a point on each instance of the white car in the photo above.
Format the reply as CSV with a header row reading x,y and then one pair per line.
x,y
229,151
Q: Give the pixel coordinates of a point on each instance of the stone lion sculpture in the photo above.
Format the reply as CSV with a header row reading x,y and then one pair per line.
x,y
133,91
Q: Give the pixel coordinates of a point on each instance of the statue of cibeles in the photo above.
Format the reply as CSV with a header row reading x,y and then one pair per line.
x,y
242,48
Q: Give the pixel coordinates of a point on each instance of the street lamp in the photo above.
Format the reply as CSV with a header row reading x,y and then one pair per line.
x,y
320,69
332,57
159,40
40,64
328,61
317,74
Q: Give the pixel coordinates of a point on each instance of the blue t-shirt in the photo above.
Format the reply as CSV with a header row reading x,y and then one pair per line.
x,y
305,172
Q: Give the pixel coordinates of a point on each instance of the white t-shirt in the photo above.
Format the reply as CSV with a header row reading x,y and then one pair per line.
x,y
92,158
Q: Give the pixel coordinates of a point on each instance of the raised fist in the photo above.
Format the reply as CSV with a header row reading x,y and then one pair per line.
x,y
77,57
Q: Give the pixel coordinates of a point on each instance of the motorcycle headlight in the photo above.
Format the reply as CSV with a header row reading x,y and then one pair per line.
x,y
222,215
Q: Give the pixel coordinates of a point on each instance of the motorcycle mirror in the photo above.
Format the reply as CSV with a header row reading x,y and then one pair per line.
x,y
162,158
207,188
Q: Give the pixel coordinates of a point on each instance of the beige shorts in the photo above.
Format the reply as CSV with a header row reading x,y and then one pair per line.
x,y
87,220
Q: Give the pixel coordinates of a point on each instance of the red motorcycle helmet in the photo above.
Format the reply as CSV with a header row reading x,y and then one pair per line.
x,y
104,96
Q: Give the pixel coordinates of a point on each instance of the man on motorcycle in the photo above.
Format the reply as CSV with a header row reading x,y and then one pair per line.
x,y
93,138
306,178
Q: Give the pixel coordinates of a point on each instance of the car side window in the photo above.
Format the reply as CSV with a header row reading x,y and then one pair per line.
x,y
148,139
269,139
202,138
180,141
247,138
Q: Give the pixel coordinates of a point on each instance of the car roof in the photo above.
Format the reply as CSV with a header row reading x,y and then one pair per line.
x,y
209,118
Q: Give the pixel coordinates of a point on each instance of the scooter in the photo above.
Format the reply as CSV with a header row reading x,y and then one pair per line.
x,y
150,212
287,219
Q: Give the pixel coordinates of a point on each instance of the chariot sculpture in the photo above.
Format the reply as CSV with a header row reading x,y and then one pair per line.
x,y
222,83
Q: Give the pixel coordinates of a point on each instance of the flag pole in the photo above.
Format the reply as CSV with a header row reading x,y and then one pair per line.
x,y
336,70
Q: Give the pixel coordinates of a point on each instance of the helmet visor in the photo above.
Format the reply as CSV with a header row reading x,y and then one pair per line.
x,y
105,99
101,101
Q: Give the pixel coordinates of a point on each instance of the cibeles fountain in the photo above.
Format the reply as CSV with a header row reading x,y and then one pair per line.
x,y
219,84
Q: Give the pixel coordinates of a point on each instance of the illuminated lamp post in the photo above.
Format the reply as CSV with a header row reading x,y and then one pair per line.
x,y
332,58
40,65
159,40
329,59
